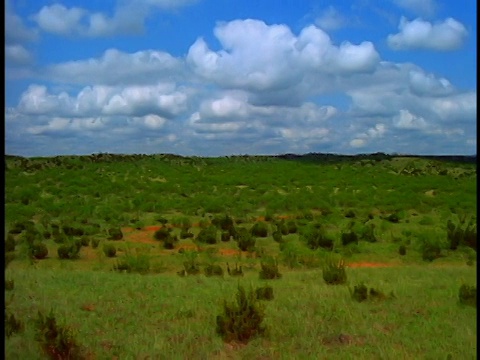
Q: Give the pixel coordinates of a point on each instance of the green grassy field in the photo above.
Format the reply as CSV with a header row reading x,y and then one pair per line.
x,y
150,312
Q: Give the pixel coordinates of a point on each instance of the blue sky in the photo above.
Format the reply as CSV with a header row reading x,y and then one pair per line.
x,y
226,77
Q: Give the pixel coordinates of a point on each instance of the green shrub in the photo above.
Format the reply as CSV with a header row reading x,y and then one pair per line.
x,y
368,233
282,228
190,265
291,227
349,238
269,269
259,229
133,263
350,214
468,295
245,240
431,250
115,234
224,223
393,218
9,257
277,236
9,285
462,233
334,272
237,271
169,243
10,243
213,270
360,292
94,243
58,342
161,234
207,235
68,251
185,234
59,237
225,237
162,221
85,241
315,237
12,325
241,321
109,250
264,293
375,294
39,250
70,230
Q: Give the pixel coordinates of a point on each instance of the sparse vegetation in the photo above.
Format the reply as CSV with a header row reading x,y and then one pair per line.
x,y
419,208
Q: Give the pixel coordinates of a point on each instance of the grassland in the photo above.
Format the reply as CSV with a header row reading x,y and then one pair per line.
x,y
156,314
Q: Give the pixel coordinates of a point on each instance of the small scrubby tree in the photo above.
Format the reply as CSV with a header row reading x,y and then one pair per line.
x,y
241,320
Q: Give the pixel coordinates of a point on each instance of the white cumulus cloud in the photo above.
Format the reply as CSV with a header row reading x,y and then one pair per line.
x,y
260,57
115,67
406,120
419,34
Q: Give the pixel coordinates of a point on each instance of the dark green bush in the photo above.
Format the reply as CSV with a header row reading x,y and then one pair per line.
x,y
85,241
70,230
185,234
94,243
10,243
169,243
224,223
9,284
225,237
360,292
314,236
368,233
213,270
161,234
393,218
115,233
241,321
162,220
291,227
468,295
350,214
58,342
190,265
245,240
207,235
282,228
277,236
269,269
9,257
259,229
39,250
109,250
133,263
59,237
431,250
264,293
237,271
68,251
12,325
334,272
462,233
402,250
16,229
349,238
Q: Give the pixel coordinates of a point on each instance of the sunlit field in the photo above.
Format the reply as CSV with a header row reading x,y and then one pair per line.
x,y
141,257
